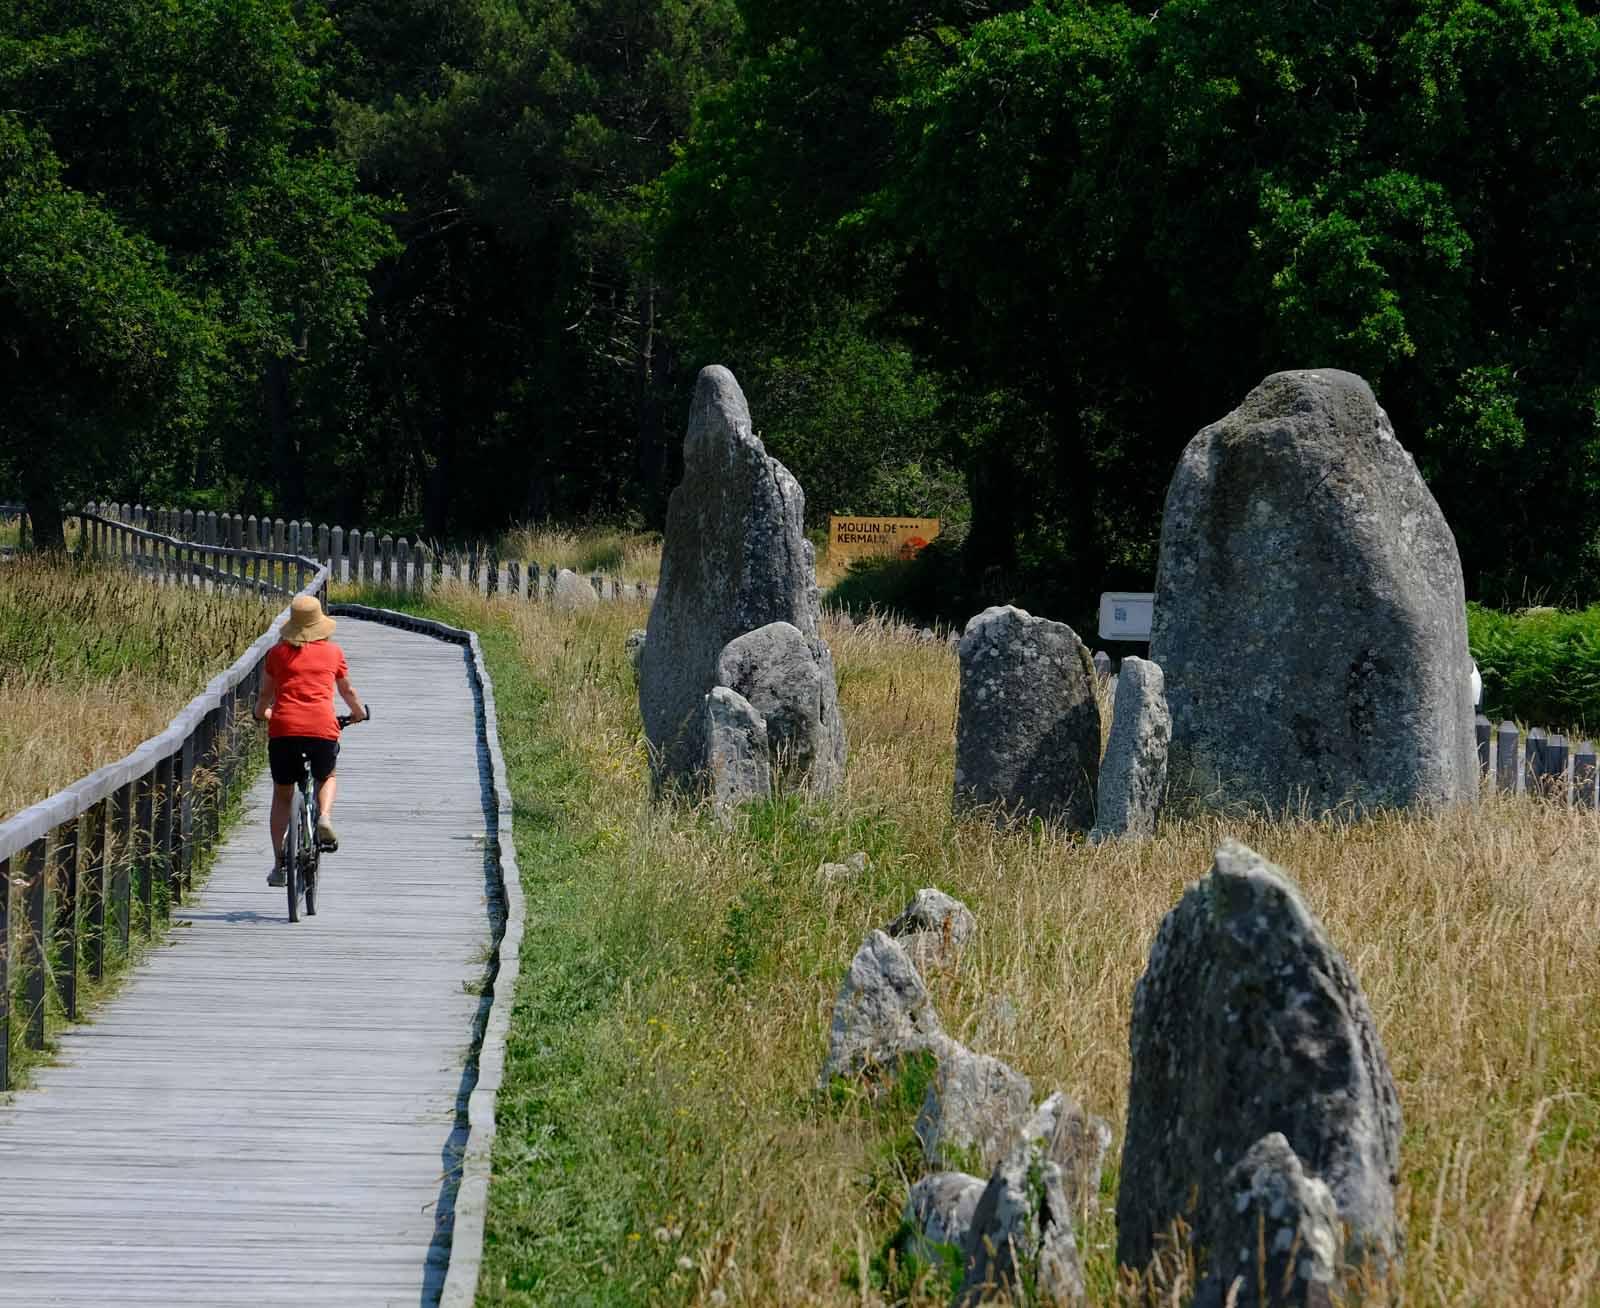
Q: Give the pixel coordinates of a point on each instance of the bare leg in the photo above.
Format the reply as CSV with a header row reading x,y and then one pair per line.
x,y
326,788
282,797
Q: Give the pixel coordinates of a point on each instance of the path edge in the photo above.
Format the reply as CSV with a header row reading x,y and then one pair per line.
x,y
472,1192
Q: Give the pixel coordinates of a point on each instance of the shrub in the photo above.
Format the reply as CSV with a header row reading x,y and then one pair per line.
x,y
1539,666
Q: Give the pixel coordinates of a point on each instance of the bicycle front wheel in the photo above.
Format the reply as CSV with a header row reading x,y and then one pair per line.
x,y
291,855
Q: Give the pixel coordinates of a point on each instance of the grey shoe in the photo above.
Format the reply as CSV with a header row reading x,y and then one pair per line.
x,y
327,841
276,877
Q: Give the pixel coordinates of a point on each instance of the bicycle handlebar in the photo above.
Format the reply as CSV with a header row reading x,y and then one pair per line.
x,y
347,719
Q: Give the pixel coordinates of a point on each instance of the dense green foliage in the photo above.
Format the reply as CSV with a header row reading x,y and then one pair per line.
x,y
1539,666
454,265
174,239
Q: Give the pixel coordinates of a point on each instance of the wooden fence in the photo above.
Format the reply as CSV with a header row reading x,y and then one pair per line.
x,y
72,865
350,556
1538,763
176,561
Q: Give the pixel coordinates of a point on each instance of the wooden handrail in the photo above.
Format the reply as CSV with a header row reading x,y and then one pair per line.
x,y
138,812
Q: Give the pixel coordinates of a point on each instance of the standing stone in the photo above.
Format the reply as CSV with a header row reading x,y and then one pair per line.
x,y
1079,1147
633,647
789,679
738,760
883,1013
1021,1232
1247,1021
1028,723
972,1109
934,929
1309,614
940,1207
1276,1241
1133,773
572,592
735,558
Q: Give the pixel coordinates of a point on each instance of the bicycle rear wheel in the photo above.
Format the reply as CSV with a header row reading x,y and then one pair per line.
x,y
291,855
313,857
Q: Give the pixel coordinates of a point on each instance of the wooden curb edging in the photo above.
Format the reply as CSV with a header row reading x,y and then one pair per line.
x,y
472,1191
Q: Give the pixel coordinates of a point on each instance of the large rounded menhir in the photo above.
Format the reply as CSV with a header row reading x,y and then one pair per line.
x,y
1310,617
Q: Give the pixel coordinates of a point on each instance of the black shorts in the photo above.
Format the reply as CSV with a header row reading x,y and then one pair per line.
x,y
285,752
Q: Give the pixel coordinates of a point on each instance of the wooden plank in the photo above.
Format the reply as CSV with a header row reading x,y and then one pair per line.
x,y
184,1097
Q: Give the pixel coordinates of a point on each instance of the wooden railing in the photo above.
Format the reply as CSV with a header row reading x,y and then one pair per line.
x,y
359,556
1538,763
177,561
72,864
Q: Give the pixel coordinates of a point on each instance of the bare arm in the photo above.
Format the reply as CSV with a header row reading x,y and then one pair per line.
x,y
348,693
266,696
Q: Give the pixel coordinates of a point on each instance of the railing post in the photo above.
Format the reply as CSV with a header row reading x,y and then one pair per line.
x,y
1555,767
1482,730
279,531
386,559
1534,760
65,915
5,972
172,827
161,824
322,542
513,578
1583,774
402,565
422,573
186,816
534,583
92,885
472,566
144,847
236,532
119,857
211,529
186,532
1505,757
35,961
335,553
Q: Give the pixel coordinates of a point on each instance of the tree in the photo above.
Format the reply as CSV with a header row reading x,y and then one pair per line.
x,y
210,238
517,342
1101,227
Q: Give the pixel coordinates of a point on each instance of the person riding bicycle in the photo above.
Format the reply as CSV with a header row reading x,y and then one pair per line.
x,y
296,702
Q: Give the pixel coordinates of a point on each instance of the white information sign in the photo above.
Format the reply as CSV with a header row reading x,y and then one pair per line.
x,y
1126,614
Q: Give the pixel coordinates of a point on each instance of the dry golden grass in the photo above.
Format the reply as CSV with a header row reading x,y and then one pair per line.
x,y
94,660
616,552
1476,934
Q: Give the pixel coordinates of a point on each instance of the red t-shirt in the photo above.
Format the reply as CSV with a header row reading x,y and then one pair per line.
x,y
305,675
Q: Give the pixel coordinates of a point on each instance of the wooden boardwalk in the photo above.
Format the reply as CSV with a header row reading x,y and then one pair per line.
x,y
271,1114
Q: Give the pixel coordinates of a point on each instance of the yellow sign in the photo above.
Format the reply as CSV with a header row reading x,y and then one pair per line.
x,y
859,538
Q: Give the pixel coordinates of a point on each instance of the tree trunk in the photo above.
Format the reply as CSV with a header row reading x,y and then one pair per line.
x,y
288,476
437,486
44,513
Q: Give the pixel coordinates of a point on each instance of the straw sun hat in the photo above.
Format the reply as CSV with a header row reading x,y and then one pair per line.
x,y
307,621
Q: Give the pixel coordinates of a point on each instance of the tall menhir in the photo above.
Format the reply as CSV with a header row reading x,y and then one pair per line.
x,y
735,559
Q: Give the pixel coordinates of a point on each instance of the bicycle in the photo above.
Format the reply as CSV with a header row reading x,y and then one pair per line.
x,y
302,851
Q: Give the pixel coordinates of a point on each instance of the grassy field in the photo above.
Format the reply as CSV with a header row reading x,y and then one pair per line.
x,y
94,660
662,1137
